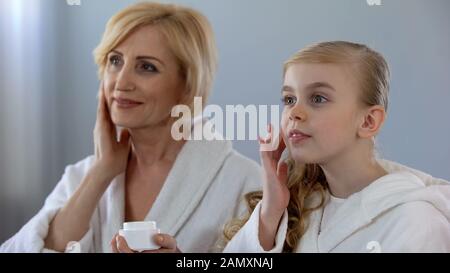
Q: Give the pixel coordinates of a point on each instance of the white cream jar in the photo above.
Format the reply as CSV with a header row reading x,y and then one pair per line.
x,y
139,235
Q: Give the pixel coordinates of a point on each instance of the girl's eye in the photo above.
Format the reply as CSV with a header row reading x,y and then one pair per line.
x,y
289,100
148,67
318,99
115,60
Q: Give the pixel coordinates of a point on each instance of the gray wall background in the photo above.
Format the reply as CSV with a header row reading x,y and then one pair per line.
x,y
48,78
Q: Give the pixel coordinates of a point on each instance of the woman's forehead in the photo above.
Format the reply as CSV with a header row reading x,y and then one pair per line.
x,y
145,41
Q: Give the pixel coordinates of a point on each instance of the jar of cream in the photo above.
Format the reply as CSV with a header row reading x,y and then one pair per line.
x,y
139,235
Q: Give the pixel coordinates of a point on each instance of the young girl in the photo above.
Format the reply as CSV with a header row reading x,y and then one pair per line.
x,y
332,194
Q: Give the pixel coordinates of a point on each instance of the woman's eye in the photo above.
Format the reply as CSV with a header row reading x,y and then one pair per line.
x,y
114,60
288,100
318,99
148,67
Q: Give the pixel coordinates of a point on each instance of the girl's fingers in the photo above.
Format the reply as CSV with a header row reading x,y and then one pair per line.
x,y
122,245
281,146
282,171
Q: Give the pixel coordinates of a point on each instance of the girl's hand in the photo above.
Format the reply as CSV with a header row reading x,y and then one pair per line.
x,y
168,245
275,191
111,155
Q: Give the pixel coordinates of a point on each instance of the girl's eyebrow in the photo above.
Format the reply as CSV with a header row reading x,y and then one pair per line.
x,y
287,88
315,85
311,86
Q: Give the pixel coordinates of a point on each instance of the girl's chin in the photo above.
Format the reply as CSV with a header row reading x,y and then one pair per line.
x,y
302,158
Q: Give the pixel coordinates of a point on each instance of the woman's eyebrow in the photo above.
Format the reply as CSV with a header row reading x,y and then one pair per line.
x,y
140,57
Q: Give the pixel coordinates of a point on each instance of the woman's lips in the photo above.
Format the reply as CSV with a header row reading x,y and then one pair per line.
x,y
297,136
126,103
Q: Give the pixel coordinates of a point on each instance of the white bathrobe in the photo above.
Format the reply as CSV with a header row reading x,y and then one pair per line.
x,y
403,211
203,190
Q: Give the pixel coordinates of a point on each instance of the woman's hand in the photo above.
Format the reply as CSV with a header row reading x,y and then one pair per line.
x,y
275,191
167,243
111,155
72,221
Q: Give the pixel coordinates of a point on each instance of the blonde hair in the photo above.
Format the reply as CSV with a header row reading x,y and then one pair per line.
x,y
306,182
188,34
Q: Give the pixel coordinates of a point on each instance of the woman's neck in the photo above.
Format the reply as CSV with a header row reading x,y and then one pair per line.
x,y
352,171
155,144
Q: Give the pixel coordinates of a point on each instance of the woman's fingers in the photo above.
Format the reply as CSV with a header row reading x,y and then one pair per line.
x,y
113,244
168,244
122,245
124,137
100,100
165,241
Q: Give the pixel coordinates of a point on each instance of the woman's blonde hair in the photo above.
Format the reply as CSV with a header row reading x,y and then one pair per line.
x,y
187,32
306,182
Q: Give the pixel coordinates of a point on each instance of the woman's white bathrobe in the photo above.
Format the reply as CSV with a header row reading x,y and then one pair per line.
x,y
203,190
403,211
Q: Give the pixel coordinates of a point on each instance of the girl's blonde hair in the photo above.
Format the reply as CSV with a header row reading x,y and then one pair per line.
x,y
187,32
306,182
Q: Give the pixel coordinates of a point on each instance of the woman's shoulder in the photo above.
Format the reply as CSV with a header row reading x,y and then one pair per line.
x,y
74,173
81,166
242,163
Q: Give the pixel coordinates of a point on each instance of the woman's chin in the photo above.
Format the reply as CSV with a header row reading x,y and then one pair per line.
x,y
125,123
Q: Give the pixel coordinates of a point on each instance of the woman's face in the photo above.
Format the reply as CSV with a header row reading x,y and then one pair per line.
x,y
322,111
142,80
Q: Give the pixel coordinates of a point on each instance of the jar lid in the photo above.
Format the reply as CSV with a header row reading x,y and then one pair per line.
x,y
139,225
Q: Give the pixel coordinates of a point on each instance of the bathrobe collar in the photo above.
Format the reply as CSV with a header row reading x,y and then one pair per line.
x,y
363,207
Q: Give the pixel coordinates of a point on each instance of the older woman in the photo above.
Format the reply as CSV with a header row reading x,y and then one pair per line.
x,y
151,58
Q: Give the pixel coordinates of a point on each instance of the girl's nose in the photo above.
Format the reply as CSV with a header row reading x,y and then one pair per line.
x,y
297,113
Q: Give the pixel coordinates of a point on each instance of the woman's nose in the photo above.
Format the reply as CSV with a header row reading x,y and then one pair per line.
x,y
124,81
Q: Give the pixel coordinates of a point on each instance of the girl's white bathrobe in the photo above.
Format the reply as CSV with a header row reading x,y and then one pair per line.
x,y
403,211
203,190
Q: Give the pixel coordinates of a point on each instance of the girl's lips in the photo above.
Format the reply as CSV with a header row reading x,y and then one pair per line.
x,y
126,103
297,136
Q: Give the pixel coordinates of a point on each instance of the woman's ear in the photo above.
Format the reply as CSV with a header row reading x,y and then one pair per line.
x,y
373,120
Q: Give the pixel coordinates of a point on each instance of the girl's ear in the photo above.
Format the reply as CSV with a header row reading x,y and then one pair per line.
x,y
373,120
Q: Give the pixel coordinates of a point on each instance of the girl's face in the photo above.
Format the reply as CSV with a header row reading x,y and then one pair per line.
x,y
322,111
142,80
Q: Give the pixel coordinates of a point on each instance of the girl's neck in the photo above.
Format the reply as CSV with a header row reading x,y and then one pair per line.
x,y
351,172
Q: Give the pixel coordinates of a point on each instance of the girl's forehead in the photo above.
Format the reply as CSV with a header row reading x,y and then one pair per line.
x,y
300,75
